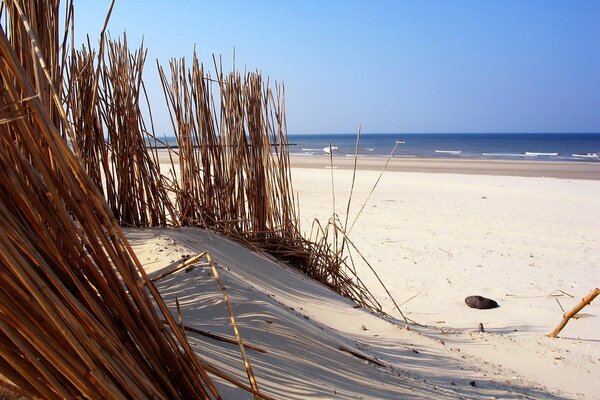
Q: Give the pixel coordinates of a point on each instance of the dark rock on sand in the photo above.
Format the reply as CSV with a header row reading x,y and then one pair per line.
x,y
481,303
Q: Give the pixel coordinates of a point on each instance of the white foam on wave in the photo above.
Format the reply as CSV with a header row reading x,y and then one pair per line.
x,y
504,154
455,152
534,154
302,154
311,149
587,155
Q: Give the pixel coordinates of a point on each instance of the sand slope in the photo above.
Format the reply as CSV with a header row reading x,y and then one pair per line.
x,y
301,325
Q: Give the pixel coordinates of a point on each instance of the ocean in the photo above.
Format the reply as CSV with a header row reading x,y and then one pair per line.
x,y
514,146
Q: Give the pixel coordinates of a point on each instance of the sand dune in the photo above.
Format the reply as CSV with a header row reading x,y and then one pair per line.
x,y
530,243
302,325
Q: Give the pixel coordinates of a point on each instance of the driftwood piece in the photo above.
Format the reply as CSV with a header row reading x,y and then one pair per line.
x,y
567,316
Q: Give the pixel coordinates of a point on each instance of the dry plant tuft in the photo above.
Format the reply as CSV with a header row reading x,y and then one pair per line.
x,y
234,173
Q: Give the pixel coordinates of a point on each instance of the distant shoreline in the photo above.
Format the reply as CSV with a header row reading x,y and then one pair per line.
x,y
525,168
509,147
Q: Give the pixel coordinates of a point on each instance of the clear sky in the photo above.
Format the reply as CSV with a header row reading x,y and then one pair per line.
x,y
390,66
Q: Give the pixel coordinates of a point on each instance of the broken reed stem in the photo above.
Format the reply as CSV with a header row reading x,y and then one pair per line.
x,y
567,316
222,338
182,265
361,356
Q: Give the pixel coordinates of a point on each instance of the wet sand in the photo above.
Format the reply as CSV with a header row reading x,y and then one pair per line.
x,y
563,170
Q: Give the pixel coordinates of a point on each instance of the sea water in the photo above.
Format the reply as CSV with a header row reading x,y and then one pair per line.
x,y
513,146
507,146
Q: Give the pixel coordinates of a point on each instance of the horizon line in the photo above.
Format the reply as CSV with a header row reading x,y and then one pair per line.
x,y
446,133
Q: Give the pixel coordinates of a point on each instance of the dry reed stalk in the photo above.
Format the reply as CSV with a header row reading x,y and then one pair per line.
x,y
224,339
236,331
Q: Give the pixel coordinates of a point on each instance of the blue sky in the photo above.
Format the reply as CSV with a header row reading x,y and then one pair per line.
x,y
390,66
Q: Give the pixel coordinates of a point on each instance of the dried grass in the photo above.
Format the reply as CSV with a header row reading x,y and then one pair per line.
x,y
78,315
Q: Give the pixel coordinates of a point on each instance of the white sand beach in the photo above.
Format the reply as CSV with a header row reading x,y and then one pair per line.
x,y
530,243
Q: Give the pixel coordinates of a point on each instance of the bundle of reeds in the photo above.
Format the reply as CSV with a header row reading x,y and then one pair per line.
x,y
234,170
79,318
228,177
82,105
104,99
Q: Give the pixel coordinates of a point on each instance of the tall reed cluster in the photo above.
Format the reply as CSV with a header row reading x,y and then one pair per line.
x,y
105,101
79,317
234,169
233,166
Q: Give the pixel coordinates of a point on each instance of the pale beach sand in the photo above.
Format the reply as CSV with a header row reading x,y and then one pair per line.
x,y
528,242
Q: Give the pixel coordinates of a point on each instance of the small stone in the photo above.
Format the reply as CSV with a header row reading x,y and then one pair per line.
x,y
473,383
480,302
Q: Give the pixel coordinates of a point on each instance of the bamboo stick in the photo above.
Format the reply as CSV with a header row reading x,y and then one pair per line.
x,y
567,316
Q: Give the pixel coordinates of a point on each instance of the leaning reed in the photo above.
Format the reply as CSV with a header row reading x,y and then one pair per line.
x,y
75,315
